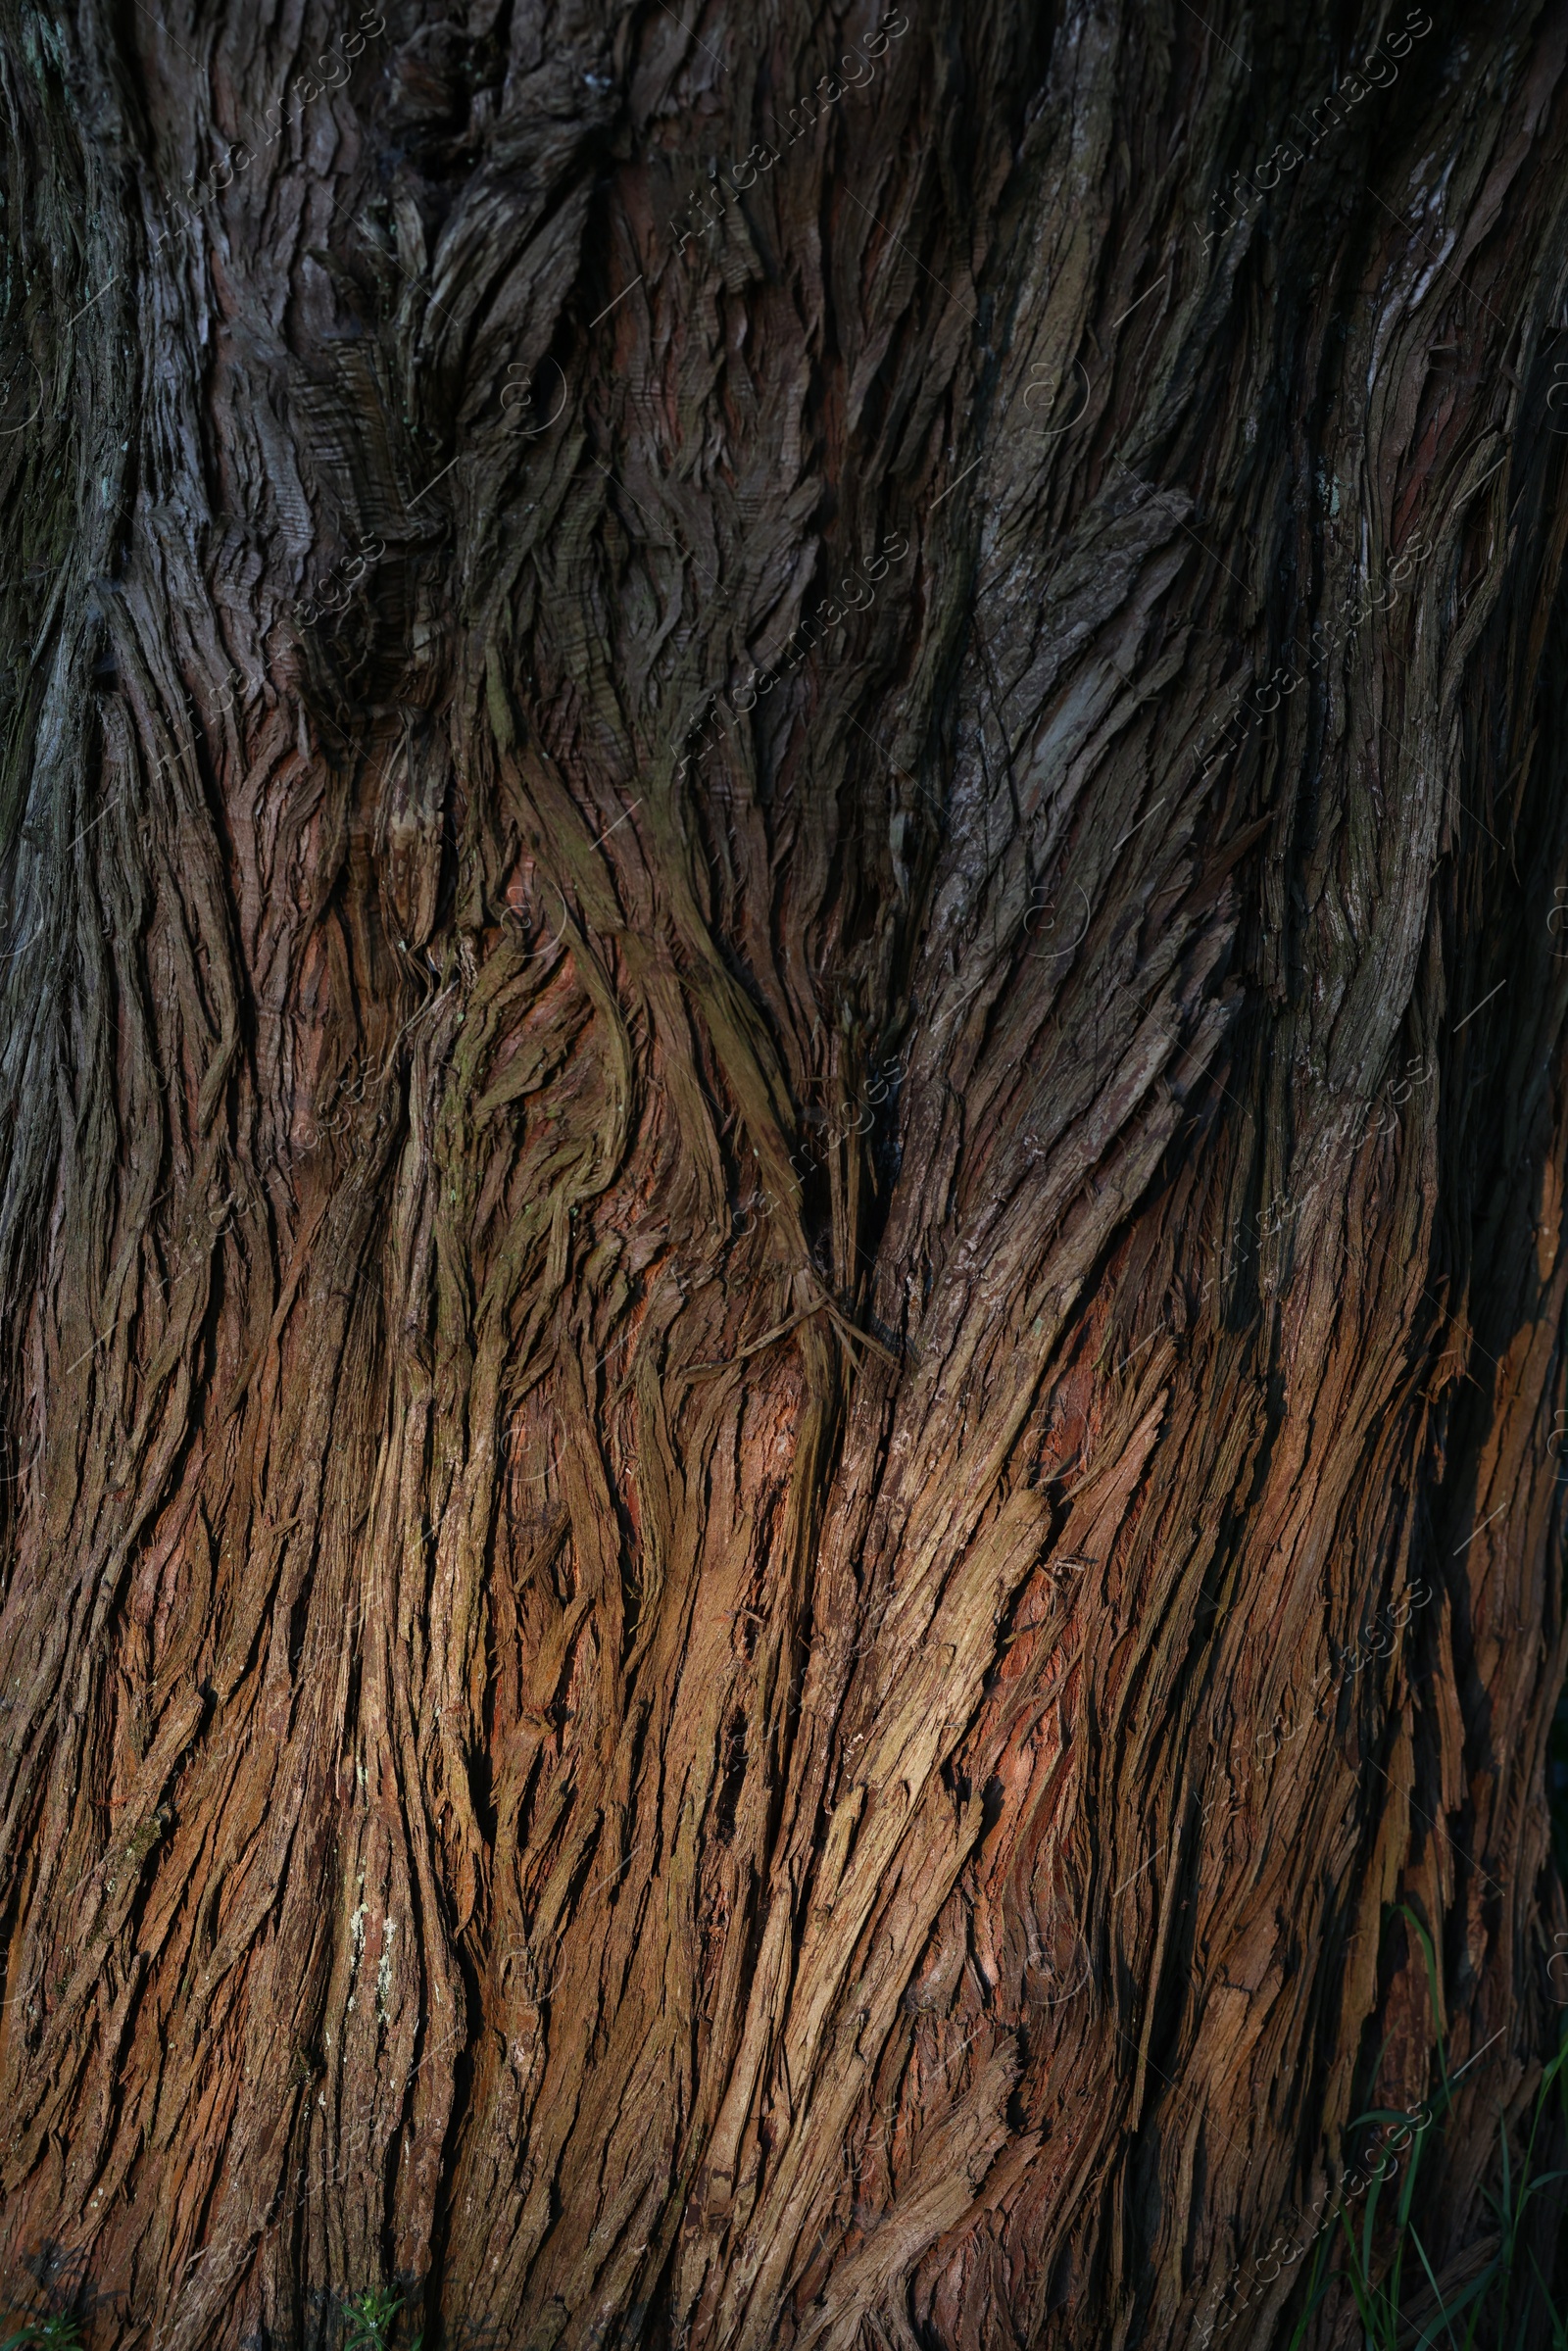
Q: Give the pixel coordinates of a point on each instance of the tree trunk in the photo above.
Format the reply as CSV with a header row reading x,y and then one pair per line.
x,y
782,1176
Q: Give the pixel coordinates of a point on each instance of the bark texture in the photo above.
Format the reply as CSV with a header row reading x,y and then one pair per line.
x,y
777,1452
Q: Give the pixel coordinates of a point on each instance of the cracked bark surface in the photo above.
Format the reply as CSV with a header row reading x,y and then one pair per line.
x,y
774,1453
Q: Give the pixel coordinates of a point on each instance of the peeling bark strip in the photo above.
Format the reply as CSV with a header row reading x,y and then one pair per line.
x,y
651,1769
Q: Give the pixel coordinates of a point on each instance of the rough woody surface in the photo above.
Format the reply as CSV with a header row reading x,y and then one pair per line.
x,y
774,1452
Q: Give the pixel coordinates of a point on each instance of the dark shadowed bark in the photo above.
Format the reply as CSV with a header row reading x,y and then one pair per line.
x,y
782,1154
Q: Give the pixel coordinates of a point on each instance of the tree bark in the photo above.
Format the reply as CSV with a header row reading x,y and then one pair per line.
x,y
780,1199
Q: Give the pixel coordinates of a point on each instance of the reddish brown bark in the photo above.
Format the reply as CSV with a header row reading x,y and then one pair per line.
x,y
775,1455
